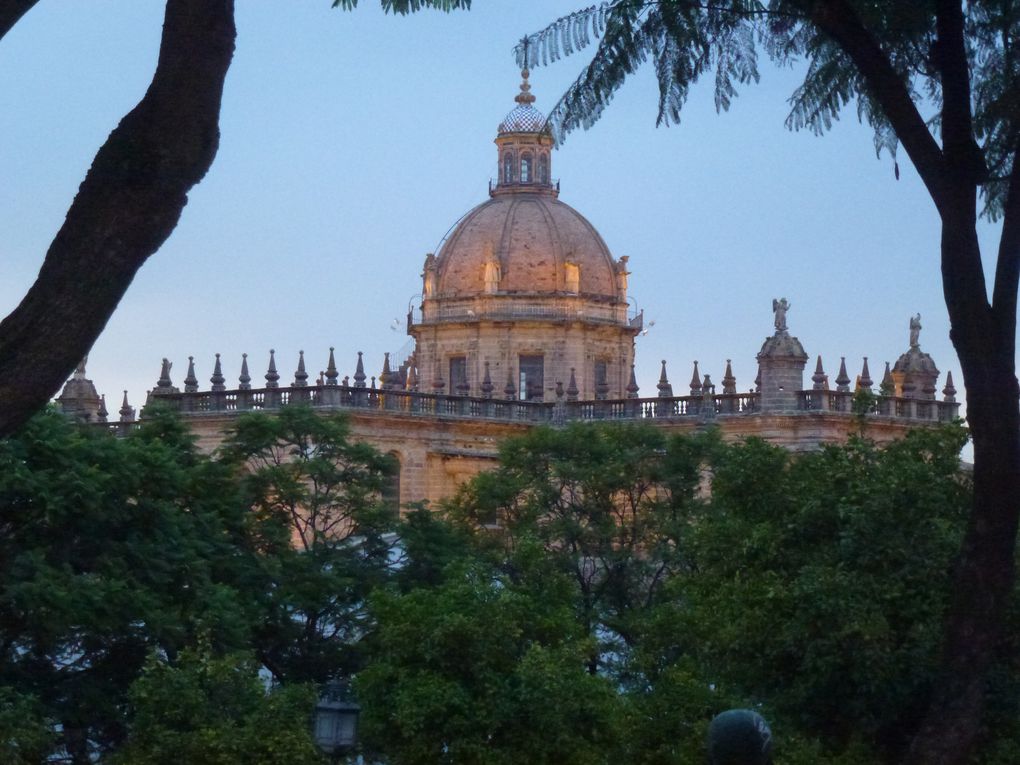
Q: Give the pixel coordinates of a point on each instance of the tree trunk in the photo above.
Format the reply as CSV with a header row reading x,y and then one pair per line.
x,y
984,573
11,11
127,206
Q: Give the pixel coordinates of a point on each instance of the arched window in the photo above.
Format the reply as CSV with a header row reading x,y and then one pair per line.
x,y
543,169
508,167
525,168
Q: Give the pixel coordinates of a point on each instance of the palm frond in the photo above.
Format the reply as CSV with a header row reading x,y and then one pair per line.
x,y
567,35
404,7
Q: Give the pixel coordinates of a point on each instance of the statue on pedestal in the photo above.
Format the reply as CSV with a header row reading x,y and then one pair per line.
x,y
915,331
779,308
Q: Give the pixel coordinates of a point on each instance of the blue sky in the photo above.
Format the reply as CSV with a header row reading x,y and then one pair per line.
x,y
351,142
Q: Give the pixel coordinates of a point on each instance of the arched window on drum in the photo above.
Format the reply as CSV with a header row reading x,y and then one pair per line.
x,y
543,169
508,167
526,160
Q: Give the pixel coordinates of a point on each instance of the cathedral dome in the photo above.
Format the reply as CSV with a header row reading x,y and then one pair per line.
x,y
526,243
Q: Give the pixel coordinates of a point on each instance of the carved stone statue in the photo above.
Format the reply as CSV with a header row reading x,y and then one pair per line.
x,y
493,274
429,275
164,374
621,276
779,308
915,331
79,371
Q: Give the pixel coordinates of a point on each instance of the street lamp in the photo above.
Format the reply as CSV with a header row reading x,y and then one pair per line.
x,y
336,720
739,737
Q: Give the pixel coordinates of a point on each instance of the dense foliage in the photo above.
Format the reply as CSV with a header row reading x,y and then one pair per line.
x,y
118,553
941,79
597,598
323,534
696,576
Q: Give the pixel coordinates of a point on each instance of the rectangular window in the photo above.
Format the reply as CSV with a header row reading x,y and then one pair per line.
x,y
601,380
458,374
532,378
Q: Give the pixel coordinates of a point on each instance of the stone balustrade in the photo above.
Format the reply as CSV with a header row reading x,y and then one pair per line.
x,y
557,411
568,308
929,410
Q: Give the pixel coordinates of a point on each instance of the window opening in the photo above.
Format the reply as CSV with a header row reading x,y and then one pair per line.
x,y
458,373
531,378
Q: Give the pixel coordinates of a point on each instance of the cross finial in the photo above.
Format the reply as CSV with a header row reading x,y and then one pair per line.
x,y
525,97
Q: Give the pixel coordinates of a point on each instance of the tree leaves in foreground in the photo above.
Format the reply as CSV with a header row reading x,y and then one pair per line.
x,y
941,79
117,550
480,671
324,531
208,710
111,549
810,586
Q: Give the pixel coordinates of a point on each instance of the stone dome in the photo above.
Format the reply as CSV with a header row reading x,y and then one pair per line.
x,y
534,242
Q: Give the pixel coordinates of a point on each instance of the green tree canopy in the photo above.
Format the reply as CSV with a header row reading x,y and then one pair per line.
x,y
481,670
209,710
317,514
604,505
702,576
941,79
118,551
110,549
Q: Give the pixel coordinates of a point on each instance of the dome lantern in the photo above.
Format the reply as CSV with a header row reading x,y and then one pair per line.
x,y
524,146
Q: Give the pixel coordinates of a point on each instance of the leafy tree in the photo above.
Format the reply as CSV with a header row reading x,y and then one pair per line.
x,y
429,545
110,549
130,200
942,80
26,736
208,710
605,505
821,580
480,670
809,585
326,535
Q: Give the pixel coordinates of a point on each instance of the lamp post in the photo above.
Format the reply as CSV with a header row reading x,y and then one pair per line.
x,y
739,737
336,721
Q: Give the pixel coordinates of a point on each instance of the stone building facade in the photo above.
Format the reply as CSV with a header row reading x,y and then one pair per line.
x,y
525,320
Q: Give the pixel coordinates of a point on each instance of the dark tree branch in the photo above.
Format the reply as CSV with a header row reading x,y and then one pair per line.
x,y
11,12
127,206
838,20
954,72
950,177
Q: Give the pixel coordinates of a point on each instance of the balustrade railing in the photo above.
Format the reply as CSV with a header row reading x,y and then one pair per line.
x,y
519,309
929,410
471,407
